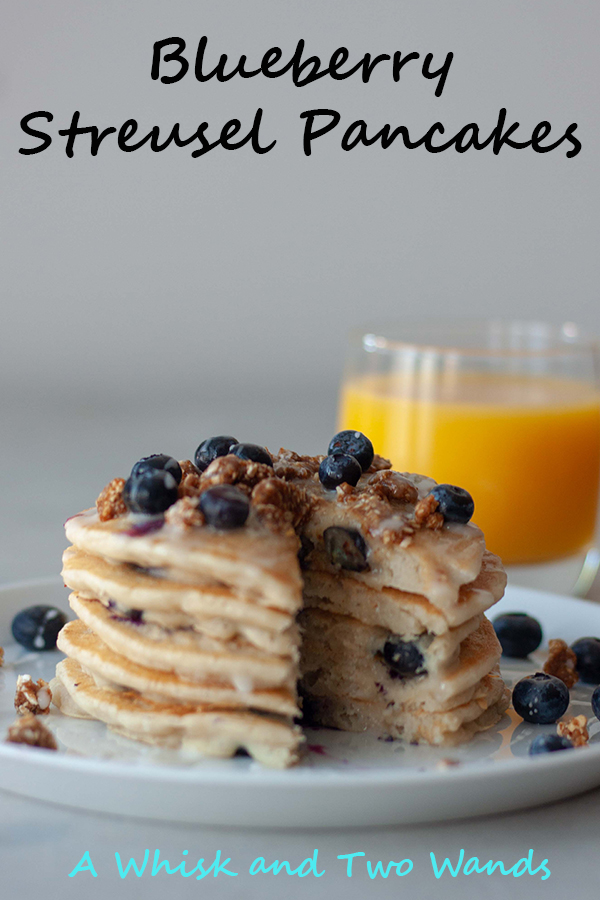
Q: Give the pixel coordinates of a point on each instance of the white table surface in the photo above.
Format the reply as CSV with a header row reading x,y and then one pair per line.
x,y
56,456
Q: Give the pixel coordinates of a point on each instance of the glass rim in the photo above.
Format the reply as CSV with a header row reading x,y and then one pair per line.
x,y
565,339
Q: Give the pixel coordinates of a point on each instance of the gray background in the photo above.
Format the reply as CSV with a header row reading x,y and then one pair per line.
x,y
150,300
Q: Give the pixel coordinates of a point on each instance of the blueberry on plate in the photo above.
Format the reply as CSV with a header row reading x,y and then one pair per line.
x,y
37,627
596,702
540,698
454,503
355,444
339,468
518,633
151,491
346,548
549,743
587,651
403,657
252,452
211,448
158,461
224,506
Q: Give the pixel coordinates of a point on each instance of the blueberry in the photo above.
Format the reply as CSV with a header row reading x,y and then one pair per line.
x,y
355,444
151,491
306,548
158,461
252,452
346,548
404,658
225,506
540,698
211,448
337,469
596,702
454,503
587,651
549,743
518,633
36,627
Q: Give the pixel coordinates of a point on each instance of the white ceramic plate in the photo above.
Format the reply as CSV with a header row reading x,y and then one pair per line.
x,y
345,780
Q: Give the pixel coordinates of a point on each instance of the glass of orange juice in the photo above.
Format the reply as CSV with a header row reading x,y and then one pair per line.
x,y
508,410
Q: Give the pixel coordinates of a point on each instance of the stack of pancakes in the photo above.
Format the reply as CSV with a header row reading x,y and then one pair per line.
x,y
184,639
191,636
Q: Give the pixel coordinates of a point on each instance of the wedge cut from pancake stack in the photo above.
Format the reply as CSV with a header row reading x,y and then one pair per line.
x,y
261,592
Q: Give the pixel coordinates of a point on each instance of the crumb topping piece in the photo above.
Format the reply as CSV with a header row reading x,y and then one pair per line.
x,y
29,730
575,729
426,514
561,662
32,697
379,464
243,473
110,503
185,513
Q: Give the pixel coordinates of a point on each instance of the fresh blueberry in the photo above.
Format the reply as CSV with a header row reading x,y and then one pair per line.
x,y
337,469
404,658
252,452
540,698
211,448
152,491
225,506
36,627
454,503
306,548
158,461
596,702
549,743
587,651
346,548
518,633
355,444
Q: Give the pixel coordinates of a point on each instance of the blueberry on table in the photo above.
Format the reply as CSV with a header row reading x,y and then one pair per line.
x,y
211,448
158,461
224,506
346,548
404,658
518,633
549,743
253,453
339,468
151,491
587,651
355,444
37,627
541,699
454,503
596,702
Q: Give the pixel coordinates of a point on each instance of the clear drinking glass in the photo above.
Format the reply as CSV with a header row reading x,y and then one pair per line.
x,y
508,410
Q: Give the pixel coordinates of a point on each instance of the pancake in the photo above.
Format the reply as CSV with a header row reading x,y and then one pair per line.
x,y
439,728
81,644
185,653
208,606
399,611
342,657
253,559
203,729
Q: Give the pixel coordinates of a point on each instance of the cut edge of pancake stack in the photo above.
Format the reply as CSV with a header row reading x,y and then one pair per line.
x,y
196,623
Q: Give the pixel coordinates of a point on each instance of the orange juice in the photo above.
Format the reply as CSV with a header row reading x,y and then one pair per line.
x,y
527,448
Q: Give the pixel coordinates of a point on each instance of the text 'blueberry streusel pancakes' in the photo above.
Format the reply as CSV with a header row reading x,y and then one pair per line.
x,y
218,601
